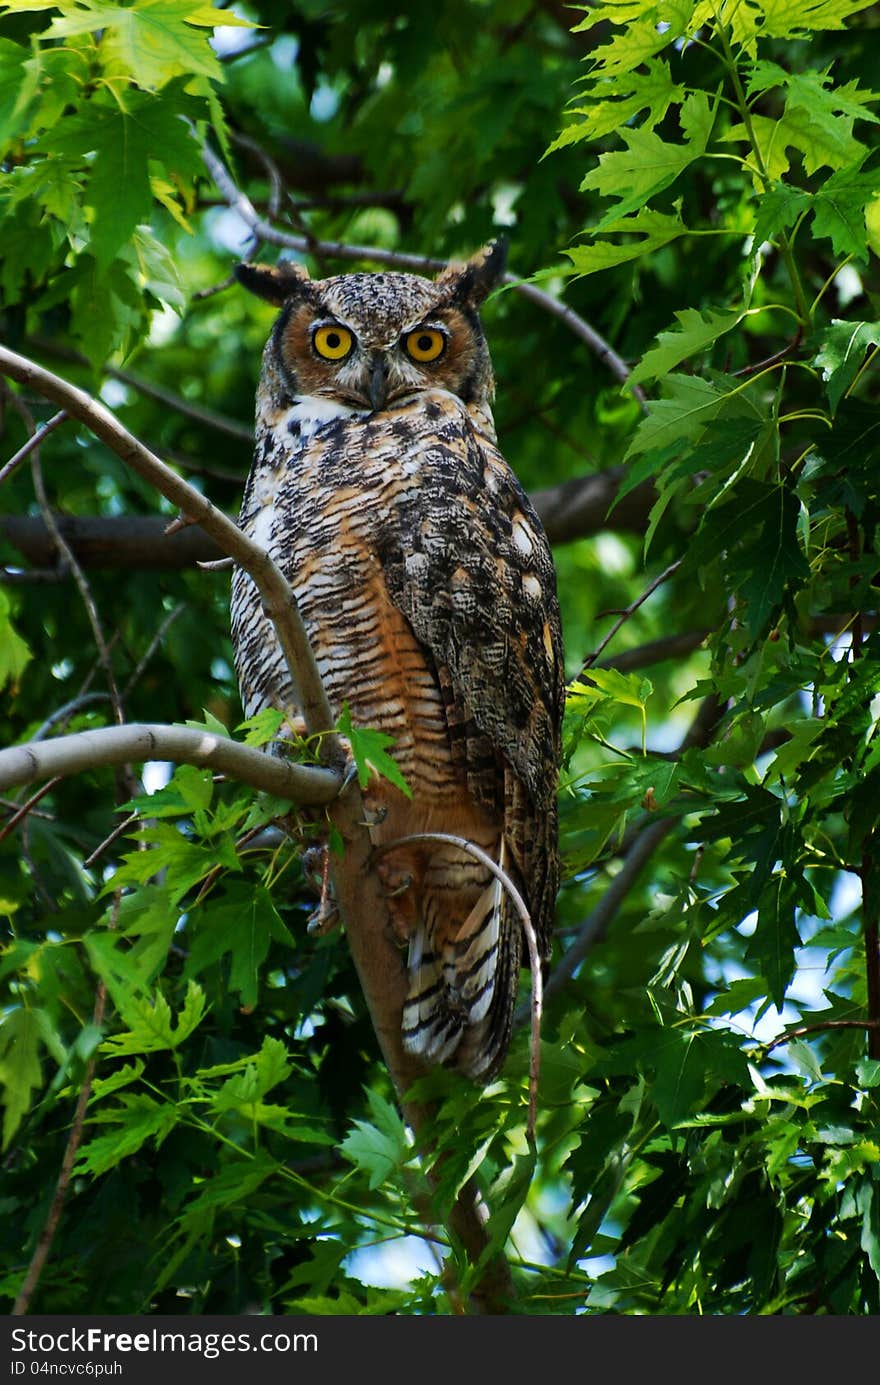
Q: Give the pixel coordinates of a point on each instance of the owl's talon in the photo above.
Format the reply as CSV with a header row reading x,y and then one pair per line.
x,y
350,774
322,920
401,888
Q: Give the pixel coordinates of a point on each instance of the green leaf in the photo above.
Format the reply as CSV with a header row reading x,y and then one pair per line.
x,y
689,403
757,529
680,1076
20,1071
649,164
778,208
739,996
697,331
655,230
149,917
230,1186
262,728
242,922
868,1203
19,82
123,141
839,210
380,1147
14,652
369,752
107,307
137,1118
187,862
150,39
151,1026
158,273
258,1076
628,689
773,563
651,91
648,29
842,353
507,1199
209,723
772,946
123,1077
868,1072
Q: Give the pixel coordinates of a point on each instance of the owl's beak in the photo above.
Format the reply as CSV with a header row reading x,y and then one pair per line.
x,y
379,382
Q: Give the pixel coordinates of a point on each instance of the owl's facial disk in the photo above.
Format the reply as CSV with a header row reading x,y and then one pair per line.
x,y
374,367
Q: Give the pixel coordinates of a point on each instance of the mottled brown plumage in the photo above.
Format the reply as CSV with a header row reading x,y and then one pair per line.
x,y
428,591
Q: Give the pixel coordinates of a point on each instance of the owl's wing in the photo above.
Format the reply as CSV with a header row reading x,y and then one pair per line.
x,y
468,563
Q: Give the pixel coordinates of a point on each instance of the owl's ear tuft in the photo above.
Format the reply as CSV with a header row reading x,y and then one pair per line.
x,y
275,283
473,281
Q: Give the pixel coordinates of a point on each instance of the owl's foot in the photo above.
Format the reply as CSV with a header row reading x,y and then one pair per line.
x,y
404,884
323,919
397,881
316,868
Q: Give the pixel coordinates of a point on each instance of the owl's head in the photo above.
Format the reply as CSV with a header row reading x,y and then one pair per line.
x,y
371,340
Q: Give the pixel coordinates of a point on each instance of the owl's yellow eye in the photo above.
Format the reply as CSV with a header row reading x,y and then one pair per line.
x,y
332,342
425,344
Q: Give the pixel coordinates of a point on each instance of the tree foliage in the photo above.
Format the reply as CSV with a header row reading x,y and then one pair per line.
x,y
699,183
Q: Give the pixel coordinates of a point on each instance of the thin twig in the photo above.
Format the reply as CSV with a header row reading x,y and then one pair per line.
x,y
531,942
199,413
802,1029
13,805
630,611
33,441
66,554
654,651
872,948
64,713
341,250
597,922
47,1235
164,627
25,808
216,565
117,832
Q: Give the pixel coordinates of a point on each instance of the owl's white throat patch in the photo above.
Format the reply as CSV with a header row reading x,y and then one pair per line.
x,y
311,412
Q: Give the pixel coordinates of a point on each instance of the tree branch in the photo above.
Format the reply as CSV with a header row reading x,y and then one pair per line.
x,y
574,510
32,444
278,598
199,413
59,1197
341,250
140,741
625,615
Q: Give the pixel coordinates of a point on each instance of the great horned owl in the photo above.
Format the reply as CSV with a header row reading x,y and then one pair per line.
x,y
427,588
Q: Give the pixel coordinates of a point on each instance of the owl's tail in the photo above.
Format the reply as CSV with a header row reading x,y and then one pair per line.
x,y
459,1008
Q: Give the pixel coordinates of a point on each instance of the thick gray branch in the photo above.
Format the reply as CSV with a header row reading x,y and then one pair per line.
x,y
186,745
570,511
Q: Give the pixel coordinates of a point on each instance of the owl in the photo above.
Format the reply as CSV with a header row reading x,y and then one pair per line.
x,y
428,591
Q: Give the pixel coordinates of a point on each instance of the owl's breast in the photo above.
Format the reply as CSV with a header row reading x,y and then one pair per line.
x,y
326,507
